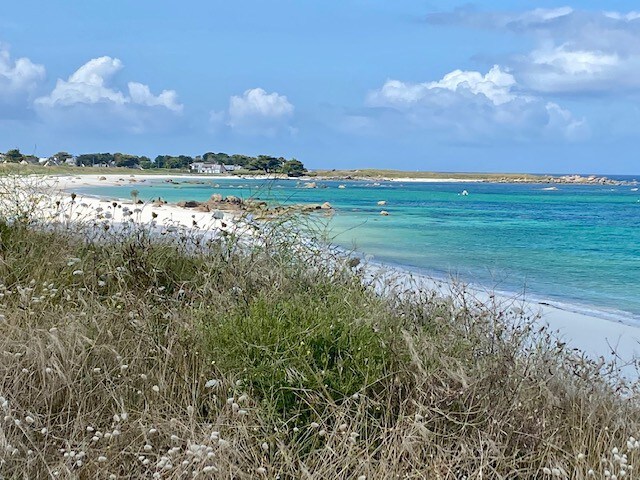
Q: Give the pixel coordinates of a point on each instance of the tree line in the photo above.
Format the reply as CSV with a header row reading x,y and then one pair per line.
x,y
260,163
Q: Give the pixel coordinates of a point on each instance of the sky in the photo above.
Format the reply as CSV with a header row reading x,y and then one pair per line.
x,y
510,86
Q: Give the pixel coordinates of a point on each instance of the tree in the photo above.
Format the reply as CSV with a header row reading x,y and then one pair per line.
x,y
14,156
168,161
146,163
125,160
293,168
265,162
62,157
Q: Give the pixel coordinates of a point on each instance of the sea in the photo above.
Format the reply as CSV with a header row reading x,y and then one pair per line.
x,y
576,247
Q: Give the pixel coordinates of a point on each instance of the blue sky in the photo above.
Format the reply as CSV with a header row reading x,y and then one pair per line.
x,y
417,85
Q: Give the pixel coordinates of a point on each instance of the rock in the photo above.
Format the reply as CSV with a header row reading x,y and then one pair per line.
x,y
256,203
311,207
354,262
311,185
216,197
218,215
189,204
384,213
382,202
342,186
102,178
326,206
139,202
233,199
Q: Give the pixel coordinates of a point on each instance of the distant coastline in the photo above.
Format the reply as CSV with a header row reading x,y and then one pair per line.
x,y
423,176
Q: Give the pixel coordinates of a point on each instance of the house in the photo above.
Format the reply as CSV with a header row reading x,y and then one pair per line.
x,y
202,167
231,168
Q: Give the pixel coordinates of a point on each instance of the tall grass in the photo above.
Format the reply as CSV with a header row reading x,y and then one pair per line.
x,y
128,354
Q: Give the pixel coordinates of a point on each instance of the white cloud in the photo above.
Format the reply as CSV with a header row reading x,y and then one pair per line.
x,y
88,96
255,112
19,79
495,86
628,17
517,21
470,105
575,62
578,51
20,75
141,95
87,85
257,106
566,69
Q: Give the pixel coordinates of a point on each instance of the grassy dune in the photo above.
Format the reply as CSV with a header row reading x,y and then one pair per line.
x,y
134,355
379,174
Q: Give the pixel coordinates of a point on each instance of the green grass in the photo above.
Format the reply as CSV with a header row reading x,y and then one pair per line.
x,y
224,358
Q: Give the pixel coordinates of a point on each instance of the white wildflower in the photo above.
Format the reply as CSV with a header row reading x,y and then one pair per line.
x,y
77,273
102,459
155,388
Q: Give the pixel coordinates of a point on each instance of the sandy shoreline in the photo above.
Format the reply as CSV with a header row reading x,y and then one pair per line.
x,y
596,336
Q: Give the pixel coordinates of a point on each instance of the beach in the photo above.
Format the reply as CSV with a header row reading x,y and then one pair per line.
x,y
596,336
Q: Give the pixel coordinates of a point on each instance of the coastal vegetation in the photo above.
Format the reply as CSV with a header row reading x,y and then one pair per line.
x,y
133,350
261,163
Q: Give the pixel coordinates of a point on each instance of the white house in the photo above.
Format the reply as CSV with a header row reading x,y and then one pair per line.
x,y
202,167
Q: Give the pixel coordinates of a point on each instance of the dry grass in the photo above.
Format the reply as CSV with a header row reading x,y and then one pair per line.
x,y
135,355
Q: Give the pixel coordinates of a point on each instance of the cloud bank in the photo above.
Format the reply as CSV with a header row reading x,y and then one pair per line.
x,y
578,52
470,106
88,95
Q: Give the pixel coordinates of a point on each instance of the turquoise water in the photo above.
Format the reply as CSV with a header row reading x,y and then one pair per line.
x,y
578,245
